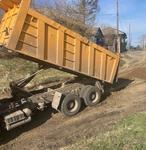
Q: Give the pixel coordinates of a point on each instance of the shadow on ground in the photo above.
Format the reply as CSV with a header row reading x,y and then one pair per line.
x,y
42,117
121,84
118,86
37,120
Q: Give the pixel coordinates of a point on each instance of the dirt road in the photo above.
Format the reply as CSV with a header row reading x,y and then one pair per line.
x,y
53,131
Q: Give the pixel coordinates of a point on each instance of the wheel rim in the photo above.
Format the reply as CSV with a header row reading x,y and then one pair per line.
x,y
94,97
72,106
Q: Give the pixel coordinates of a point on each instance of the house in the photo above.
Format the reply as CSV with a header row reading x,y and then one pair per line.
x,y
107,37
97,36
110,38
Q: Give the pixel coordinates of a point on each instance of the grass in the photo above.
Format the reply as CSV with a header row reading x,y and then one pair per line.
x,y
122,63
15,69
124,57
128,134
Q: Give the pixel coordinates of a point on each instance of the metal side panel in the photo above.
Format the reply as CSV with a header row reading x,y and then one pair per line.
x,y
8,4
12,21
7,25
17,29
36,36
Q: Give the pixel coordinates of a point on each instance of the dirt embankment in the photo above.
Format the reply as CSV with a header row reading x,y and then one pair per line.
x,y
52,131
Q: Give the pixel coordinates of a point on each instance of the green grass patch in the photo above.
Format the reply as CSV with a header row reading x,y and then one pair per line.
x,y
128,134
16,68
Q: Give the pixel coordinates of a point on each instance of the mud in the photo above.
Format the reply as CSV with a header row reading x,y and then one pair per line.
x,y
51,130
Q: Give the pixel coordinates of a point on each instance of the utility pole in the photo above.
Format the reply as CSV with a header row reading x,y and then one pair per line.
x,y
118,38
144,43
129,36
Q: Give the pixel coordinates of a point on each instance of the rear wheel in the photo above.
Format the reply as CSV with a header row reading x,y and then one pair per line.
x,y
92,96
71,105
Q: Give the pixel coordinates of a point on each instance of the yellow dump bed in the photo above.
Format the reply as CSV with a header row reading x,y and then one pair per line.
x,y
39,38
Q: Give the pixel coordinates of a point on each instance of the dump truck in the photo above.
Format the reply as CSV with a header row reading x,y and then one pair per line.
x,y
30,35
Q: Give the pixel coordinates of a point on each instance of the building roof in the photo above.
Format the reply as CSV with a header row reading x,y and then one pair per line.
x,y
112,31
96,30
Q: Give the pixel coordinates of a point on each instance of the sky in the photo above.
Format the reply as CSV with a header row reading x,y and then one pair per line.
x,y
132,12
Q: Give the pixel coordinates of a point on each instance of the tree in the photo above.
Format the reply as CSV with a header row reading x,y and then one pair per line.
x,y
77,15
33,3
86,10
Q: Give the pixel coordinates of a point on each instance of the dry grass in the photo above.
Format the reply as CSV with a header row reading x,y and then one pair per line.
x,y
15,68
128,134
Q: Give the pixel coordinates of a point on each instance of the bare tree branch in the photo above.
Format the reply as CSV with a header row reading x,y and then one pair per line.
x,y
77,15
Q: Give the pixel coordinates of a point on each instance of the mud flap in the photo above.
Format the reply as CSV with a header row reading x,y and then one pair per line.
x,y
57,100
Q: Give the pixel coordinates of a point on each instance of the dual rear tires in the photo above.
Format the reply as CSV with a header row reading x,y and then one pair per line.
x,y
91,95
71,104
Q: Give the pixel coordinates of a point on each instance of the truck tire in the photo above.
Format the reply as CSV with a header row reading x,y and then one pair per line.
x,y
71,105
92,96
